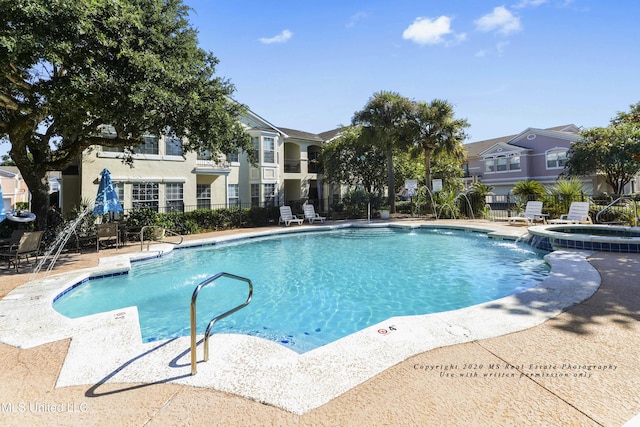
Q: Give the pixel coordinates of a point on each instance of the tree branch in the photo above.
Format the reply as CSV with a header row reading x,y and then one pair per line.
x,y
8,103
15,78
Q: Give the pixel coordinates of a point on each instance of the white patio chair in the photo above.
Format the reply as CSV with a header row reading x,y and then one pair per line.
x,y
578,214
287,217
311,215
532,212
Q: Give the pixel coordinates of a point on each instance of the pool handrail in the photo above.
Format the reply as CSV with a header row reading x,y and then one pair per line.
x,y
207,333
627,198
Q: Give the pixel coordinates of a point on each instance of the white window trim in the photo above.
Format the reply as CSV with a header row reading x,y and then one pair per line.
x,y
557,150
237,186
495,158
506,165
485,160
275,151
120,155
170,158
519,163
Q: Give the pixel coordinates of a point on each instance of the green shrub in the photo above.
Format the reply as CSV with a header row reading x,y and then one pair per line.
x,y
403,207
258,216
22,206
356,203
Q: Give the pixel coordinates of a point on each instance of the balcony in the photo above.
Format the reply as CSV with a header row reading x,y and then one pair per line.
x,y
212,167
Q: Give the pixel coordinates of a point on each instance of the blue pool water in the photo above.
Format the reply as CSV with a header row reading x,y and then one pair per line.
x,y
313,288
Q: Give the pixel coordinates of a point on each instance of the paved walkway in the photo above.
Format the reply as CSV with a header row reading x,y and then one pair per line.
x,y
580,368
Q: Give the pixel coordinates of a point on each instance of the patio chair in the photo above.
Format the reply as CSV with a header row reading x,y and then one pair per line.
x,y
287,217
532,213
28,245
13,241
107,232
578,214
311,215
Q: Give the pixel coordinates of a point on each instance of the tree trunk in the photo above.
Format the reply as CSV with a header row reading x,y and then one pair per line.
x,y
33,169
427,167
391,180
39,189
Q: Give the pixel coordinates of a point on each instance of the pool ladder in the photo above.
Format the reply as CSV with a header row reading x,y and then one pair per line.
x,y
215,319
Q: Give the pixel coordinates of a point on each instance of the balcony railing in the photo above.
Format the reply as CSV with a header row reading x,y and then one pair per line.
x,y
292,166
313,167
213,164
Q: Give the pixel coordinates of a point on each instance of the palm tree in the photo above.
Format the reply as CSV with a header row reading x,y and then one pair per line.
x,y
436,131
384,121
567,189
528,190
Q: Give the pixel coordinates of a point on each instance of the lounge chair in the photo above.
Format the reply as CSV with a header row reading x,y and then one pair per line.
x,y
532,213
578,214
311,215
107,232
287,217
29,245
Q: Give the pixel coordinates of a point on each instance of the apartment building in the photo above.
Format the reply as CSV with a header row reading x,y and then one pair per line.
x,y
533,154
164,178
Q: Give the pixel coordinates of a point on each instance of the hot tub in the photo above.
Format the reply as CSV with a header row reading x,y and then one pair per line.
x,y
610,238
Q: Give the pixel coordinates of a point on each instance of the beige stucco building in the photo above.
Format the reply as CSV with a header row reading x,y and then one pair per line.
x,y
163,178
14,189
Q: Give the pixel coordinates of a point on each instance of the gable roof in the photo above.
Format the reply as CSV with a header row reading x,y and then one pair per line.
x,y
502,147
254,121
330,134
565,128
298,134
475,149
9,171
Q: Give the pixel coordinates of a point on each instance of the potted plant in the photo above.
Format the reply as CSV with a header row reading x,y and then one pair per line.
x,y
161,225
385,211
157,233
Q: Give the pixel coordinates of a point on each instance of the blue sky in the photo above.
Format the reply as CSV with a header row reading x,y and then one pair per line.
x,y
504,66
309,65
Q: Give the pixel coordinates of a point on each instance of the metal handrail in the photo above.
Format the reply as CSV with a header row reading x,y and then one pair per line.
x,y
149,241
215,319
627,198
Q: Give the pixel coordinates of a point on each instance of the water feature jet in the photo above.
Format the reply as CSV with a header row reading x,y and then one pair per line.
x,y
58,244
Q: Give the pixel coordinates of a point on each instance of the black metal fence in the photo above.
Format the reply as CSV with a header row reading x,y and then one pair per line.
x,y
195,219
604,208
460,206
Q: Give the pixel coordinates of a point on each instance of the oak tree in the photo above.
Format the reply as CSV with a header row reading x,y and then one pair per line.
x,y
68,68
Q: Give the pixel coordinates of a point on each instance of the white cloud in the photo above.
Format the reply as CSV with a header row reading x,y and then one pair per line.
x,y
529,3
428,31
499,50
500,20
280,38
459,38
355,18
500,47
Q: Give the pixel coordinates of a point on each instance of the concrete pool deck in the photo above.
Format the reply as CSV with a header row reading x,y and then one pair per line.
x,y
578,368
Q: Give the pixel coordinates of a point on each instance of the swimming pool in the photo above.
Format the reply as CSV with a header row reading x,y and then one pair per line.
x,y
313,288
